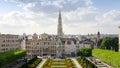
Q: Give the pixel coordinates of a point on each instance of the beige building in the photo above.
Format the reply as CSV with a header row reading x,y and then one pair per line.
x,y
9,42
41,45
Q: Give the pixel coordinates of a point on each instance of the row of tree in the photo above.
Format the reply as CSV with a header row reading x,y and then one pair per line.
x,y
110,43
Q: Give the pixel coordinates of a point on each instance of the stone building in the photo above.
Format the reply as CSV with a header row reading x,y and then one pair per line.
x,y
9,42
41,45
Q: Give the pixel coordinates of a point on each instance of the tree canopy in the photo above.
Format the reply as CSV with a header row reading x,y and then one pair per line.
x,y
85,52
110,43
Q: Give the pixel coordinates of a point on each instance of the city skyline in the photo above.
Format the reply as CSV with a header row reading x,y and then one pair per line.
x,y
78,16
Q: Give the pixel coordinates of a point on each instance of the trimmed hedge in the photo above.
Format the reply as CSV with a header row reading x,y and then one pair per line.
x,y
110,57
11,56
32,63
85,63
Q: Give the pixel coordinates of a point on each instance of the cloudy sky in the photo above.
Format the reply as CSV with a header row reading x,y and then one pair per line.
x,y
78,16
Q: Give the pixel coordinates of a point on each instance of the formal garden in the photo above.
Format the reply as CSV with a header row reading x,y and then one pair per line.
x,y
59,63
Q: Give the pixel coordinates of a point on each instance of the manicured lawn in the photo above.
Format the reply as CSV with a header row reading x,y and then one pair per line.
x,y
59,63
110,57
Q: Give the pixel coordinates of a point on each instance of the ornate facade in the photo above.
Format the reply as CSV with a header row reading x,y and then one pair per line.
x,y
41,45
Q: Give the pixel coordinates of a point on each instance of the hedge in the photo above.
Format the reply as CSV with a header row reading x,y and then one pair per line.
x,y
85,63
110,57
32,63
11,56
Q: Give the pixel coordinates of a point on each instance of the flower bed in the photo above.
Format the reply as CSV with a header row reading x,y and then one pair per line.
x,y
59,63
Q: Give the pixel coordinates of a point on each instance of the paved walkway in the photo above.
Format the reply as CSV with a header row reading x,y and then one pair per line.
x,y
41,63
76,63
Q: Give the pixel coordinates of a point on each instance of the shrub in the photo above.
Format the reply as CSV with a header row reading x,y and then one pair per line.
x,y
32,63
85,52
85,63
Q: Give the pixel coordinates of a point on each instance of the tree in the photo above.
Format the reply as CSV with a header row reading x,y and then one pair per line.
x,y
110,43
85,52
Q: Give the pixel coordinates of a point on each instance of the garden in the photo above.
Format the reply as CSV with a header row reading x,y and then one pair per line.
x,y
58,63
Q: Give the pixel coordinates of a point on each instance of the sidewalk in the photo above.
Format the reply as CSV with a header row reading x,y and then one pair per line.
x,y
41,64
76,63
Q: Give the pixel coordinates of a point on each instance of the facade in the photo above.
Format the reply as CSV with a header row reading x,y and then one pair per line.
x,y
71,46
9,42
41,45
54,46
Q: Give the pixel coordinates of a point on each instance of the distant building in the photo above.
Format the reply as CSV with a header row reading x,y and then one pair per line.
x,y
41,45
9,42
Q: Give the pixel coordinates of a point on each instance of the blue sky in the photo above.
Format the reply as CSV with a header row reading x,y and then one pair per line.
x,y
106,5
78,16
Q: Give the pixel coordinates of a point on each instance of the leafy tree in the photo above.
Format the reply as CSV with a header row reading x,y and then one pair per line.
x,y
110,43
85,52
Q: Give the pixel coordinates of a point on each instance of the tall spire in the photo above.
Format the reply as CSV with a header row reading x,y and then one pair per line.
x,y
59,30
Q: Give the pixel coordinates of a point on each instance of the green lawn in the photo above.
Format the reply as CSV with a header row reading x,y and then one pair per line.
x,y
11,56
110,57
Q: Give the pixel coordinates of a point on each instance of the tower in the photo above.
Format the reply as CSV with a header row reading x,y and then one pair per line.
x,y
98,36
59,30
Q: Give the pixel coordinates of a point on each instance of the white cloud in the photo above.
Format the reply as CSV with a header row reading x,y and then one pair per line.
x,y
51,6
108,22
79,17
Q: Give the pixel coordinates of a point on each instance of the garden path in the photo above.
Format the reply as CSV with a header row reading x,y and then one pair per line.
x,y
76,63
41,63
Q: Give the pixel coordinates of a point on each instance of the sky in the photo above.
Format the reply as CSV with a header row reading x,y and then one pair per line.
x,y
41,16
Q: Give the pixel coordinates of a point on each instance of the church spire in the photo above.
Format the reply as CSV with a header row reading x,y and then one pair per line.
x,y
59,30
